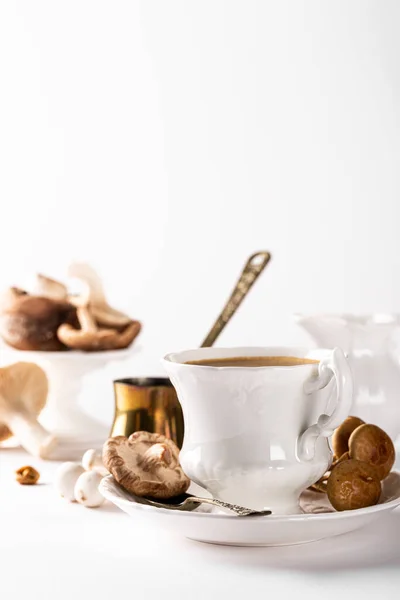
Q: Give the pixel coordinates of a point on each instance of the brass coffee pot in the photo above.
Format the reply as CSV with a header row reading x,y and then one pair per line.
x,y
151,403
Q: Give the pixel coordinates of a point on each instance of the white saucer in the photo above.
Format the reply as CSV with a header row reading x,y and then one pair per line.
x,y
319,520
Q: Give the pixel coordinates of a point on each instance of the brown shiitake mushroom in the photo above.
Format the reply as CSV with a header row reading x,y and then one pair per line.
x,y
369,443
91,338
31,322
341,435
353,484
146,464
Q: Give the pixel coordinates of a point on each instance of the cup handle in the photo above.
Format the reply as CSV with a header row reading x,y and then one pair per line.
x,y
335,365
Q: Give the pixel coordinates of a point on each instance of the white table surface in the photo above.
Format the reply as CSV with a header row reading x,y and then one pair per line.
x,y
50,549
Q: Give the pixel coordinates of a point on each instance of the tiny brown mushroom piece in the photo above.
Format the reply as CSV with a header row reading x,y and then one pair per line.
x,y
31,322
146,464
90,338
372,445
341,435
353,484
23,394
27,475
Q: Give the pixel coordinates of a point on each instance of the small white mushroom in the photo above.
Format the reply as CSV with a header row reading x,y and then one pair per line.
x,y
87,489
92,461
65,479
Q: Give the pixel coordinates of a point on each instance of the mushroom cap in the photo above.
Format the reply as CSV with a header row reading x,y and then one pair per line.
x,y
353,484
106,316
87,491
341,435
49,288
25,384
65,479
97,340
146,464
31,322
9,296
372,445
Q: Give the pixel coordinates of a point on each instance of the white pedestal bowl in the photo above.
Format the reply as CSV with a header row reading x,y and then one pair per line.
x,y
75,430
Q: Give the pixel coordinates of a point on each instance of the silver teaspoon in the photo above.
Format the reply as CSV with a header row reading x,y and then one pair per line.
x,y
189,502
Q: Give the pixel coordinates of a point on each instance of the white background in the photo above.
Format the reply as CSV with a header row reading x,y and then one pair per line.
x,y
165,141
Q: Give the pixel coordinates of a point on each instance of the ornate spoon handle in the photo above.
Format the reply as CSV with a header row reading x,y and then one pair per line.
x,y
252,269
241,511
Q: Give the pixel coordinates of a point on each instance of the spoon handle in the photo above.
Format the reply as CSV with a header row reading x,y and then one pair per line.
x,y
241,511
252,269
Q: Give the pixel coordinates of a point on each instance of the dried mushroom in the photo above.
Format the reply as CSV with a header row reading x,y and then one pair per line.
x,y
47,319
27,475
23,394
341,435
353,484
146,464
92,338
353,480
369,443
31,322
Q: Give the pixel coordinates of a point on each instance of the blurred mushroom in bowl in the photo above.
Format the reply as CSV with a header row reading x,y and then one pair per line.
x,y
51,319
91,337
31,322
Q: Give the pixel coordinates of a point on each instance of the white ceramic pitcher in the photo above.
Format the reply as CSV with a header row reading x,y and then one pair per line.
x,y
369,343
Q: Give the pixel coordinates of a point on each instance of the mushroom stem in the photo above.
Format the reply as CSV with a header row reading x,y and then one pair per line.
x,y
318,486
337,461
105,314
30,433
85,318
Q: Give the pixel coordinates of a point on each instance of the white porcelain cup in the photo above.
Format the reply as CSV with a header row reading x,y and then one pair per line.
x,y
258,436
